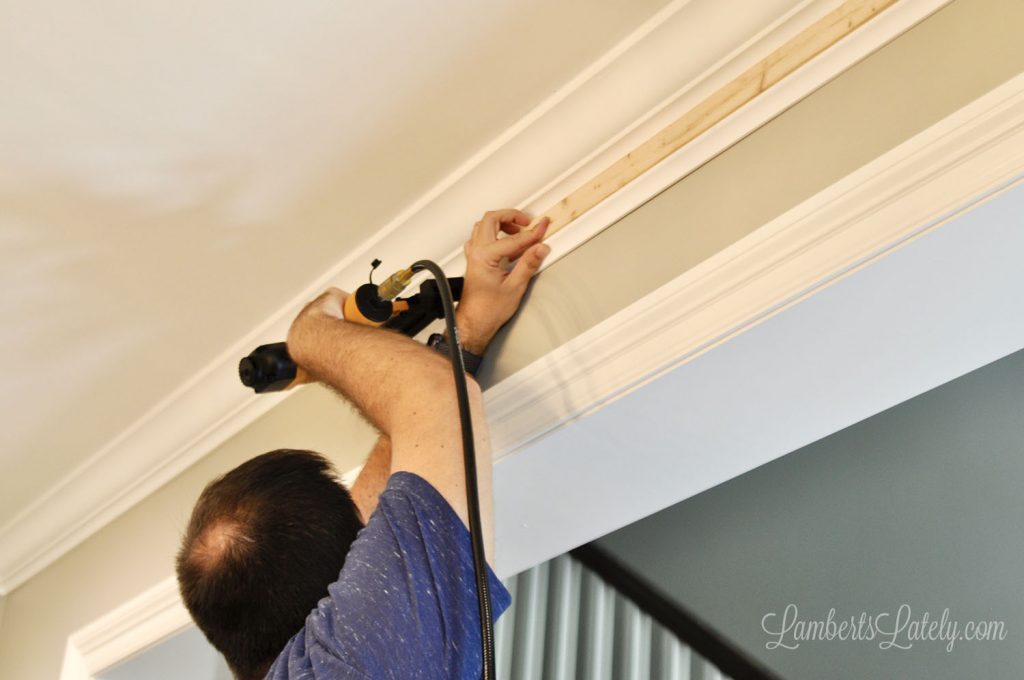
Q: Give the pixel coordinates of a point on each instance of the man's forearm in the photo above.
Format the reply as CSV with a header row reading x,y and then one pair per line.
x,y
383,373
373,478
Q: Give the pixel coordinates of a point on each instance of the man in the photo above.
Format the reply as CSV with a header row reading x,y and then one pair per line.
x,y
276,566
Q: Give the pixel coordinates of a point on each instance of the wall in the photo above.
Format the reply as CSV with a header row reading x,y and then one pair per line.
x,y
950,59
947,61
919,505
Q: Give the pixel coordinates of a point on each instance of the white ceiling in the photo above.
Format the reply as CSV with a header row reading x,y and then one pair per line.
x,y
172,174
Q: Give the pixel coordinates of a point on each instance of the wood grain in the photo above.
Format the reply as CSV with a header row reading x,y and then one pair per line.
x,y
803,47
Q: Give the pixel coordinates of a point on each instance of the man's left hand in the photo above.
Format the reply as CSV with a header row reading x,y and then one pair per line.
x,y
491,294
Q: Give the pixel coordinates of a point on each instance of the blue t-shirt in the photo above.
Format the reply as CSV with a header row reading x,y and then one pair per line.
x,y
404,604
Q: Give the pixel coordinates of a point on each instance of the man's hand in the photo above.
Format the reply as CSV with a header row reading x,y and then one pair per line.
x,y
490,297
491,293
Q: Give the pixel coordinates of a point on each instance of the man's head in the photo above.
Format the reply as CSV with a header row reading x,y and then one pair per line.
x,y
264,542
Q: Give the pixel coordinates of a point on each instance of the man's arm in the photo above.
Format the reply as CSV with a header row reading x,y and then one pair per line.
x,y
372,478
406,390
490,297
477,323
380,371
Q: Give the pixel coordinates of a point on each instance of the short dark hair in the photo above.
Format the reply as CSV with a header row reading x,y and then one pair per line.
x,y
264,542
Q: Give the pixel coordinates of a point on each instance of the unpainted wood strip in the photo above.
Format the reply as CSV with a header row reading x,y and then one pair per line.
x,y
799,50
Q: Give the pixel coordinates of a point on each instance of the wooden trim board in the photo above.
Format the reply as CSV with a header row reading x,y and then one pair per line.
x,y
798,51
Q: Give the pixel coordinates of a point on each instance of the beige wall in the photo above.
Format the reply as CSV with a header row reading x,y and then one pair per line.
x,y
949,60
953,57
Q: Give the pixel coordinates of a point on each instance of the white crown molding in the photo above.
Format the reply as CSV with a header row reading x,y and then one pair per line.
x,y
149,618
571,136
905,324
915,188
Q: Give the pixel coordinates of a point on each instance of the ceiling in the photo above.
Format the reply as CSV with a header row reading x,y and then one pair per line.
x,y
174,174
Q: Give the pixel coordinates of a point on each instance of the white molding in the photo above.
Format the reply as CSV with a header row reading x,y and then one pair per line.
x,y
573,134
924,293
916,187
138,624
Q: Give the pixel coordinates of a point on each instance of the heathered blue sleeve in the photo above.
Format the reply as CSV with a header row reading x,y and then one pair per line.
x,y
405,603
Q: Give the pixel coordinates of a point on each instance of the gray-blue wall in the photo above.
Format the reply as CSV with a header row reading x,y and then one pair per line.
x,y
920,505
